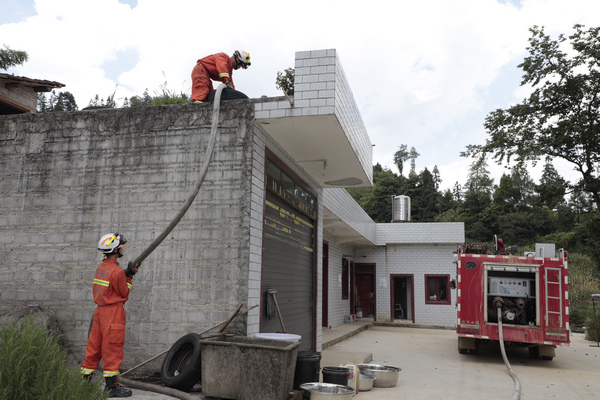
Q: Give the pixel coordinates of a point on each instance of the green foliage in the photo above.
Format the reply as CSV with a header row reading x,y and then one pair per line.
x,y
165,96
403,155
162,97
11,58
34,367
99,102
62,101
285,80
561,117
584,280
377,201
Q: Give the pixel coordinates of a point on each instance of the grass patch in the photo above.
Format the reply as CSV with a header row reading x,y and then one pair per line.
x,y
584,280
33,366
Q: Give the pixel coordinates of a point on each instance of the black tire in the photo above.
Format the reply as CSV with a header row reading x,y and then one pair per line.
x,y
534,352
460,349
227,94
181,368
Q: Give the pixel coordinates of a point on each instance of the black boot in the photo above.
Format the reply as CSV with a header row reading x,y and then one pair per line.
x,y
88,377
114,389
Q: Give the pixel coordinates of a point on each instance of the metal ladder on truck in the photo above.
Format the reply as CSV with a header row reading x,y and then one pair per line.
x,y
554,297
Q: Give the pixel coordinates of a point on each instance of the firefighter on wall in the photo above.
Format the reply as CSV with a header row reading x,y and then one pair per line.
x,y
217,67
111,289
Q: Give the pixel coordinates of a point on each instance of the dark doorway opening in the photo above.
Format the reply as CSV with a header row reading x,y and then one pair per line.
x,y
402,297
365,290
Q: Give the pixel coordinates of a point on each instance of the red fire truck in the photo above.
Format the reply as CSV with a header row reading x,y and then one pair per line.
x,y
532,293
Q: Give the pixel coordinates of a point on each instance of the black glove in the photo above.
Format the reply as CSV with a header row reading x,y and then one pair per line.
x,y
131,270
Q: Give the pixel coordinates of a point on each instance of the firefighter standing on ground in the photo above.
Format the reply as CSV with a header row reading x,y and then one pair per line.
x,y
217,67
111,289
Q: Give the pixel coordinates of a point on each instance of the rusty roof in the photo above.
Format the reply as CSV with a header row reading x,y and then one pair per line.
x,y
39,85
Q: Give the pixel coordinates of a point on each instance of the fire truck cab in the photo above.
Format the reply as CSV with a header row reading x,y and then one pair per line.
x,y
531,291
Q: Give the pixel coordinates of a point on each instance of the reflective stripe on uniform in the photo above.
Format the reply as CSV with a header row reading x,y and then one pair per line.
x,y
101,282
87,371
129,286
110,373
223,75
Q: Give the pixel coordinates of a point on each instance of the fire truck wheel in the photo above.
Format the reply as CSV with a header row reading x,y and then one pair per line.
x,y
534,352
461,350
181,367
227,94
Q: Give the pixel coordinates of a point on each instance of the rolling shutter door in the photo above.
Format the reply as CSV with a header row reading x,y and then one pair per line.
x,y
288,268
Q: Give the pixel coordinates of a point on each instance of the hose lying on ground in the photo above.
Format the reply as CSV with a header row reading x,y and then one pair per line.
x,y
190,200
517,391
150,387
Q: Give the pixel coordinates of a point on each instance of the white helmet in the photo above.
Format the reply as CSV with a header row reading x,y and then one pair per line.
x,y
243,57
111,242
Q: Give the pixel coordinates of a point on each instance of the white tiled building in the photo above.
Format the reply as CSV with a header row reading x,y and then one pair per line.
x,y
397,260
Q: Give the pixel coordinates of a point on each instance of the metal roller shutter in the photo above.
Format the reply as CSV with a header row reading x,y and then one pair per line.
x,y
288,268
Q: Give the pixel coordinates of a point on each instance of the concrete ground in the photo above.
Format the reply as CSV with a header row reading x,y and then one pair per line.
x,y
433,368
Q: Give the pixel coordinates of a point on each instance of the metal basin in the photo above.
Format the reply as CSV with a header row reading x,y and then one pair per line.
x,y
385,375
328,391
365,382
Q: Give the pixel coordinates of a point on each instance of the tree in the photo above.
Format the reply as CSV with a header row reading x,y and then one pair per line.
x,y
403,155
424,199
436,177
144,100
62,101
561,117
377,200
11,58
515,191
551,189
477,199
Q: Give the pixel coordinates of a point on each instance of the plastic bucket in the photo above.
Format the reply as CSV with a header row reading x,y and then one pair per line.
x,y
336,375
308,365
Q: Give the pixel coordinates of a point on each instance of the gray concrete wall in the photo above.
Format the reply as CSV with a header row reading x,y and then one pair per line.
x,y
68,178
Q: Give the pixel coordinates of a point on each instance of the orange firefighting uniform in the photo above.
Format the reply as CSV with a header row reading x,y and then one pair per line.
x,y
218,67
111,290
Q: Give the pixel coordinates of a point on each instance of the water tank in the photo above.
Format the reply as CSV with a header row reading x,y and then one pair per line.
x,y
400,208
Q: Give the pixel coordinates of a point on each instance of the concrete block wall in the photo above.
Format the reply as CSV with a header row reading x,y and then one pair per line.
x,y
419,260
68,178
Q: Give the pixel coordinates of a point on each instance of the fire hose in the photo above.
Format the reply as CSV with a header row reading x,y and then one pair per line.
x,y
517,390
209,151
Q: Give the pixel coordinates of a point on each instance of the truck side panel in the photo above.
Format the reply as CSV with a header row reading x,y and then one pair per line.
x,y
533,293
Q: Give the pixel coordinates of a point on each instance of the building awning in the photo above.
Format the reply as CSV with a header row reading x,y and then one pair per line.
x,y
320,125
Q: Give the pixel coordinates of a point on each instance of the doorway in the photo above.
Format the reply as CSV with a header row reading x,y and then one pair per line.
x,y
365,290
402,297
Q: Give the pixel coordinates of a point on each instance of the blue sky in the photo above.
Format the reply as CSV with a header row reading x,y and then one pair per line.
x,y
424,74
